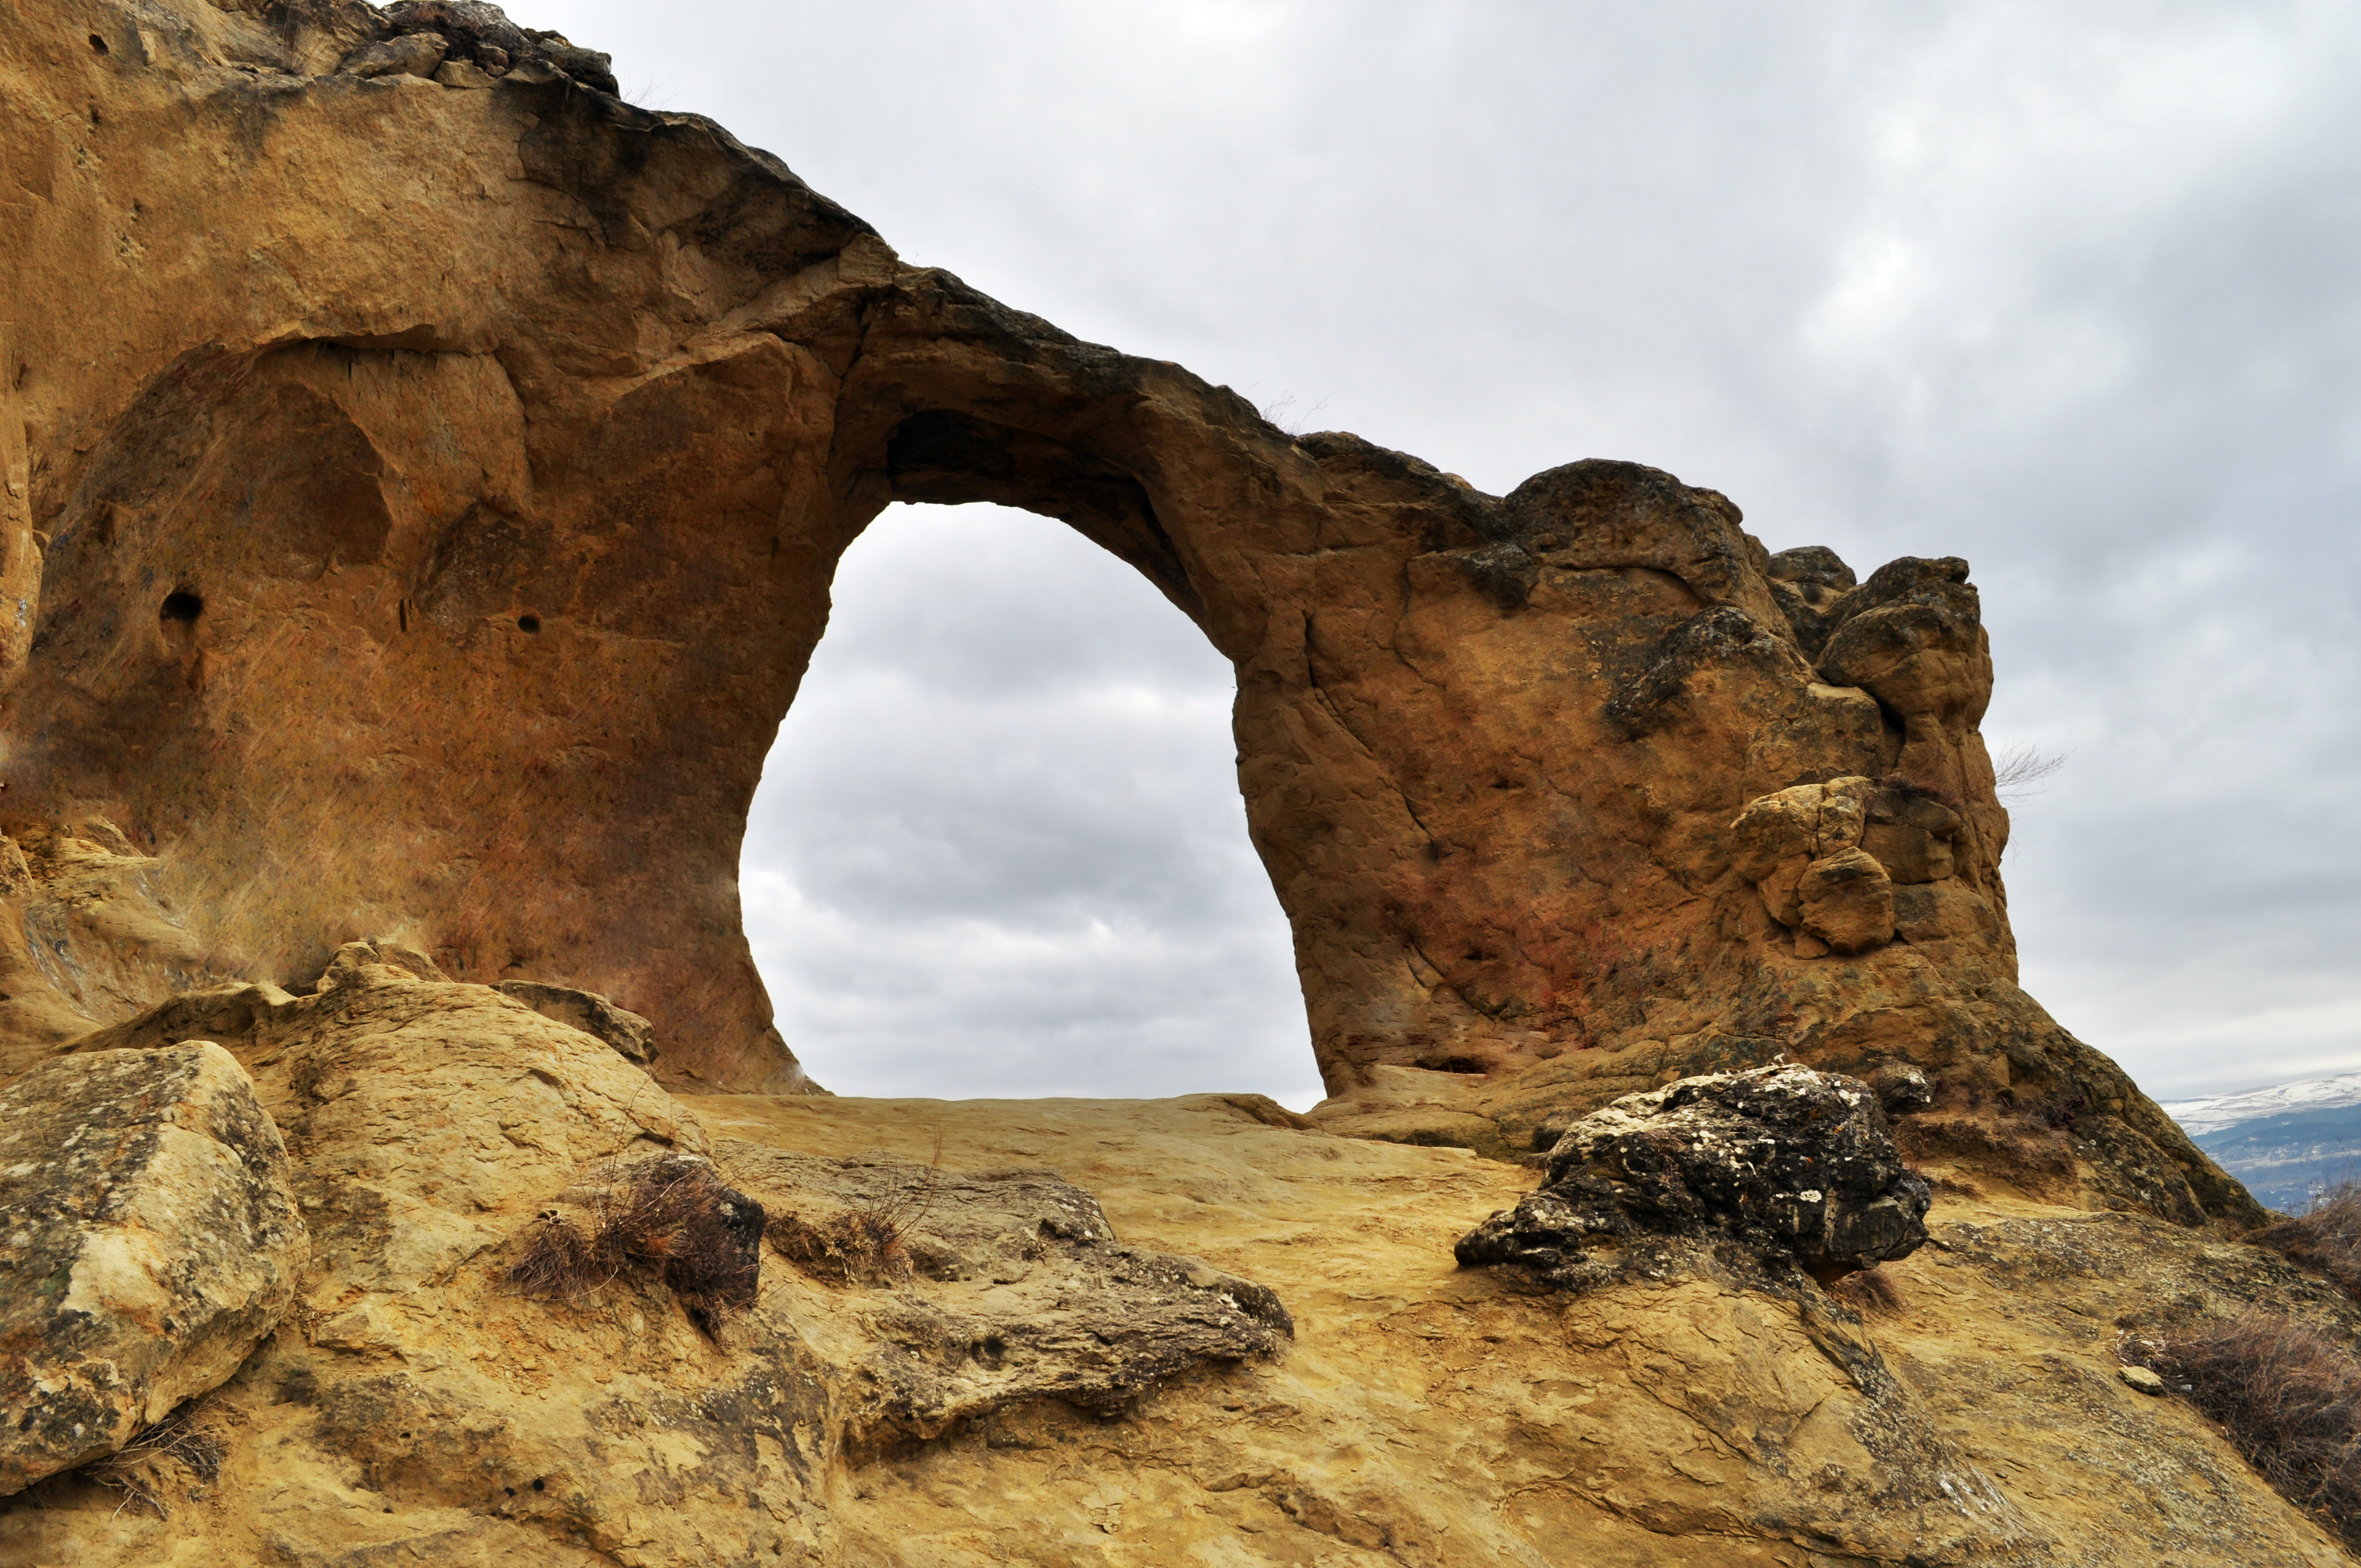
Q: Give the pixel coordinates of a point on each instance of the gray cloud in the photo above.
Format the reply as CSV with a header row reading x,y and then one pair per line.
x,y
2073,291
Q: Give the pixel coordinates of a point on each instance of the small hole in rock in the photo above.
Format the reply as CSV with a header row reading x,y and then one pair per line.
x,y
182,605
528,624
98,43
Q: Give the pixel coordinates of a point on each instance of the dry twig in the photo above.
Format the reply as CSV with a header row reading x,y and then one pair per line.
x,y
185,1440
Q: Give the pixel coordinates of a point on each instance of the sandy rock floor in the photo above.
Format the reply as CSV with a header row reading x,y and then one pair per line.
x,y
1428,1415
1424,1415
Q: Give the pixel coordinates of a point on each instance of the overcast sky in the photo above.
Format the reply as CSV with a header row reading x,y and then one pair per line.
x,y
2071,290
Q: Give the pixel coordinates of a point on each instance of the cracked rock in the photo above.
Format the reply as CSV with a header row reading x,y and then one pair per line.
x,y
150,1241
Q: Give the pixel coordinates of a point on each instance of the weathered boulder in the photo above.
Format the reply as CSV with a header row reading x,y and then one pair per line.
x,y
1846,901
1796,1166
415,54
149,1241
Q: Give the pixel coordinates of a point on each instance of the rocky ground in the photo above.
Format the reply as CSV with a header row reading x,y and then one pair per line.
x,y
1201,1330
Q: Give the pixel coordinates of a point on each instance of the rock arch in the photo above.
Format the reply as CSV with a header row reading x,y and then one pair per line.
x,y
508,437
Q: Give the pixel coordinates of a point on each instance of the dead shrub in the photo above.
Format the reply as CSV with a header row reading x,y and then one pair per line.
x,y
873,1244
2289,1398
159,1462
2326,1237
674,1212
858,1246
1872,1292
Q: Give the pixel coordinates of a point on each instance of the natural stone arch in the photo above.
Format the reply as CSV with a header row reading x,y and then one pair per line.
x,y
508,453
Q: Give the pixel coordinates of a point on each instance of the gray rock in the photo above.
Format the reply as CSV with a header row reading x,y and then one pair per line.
x,y
481,34
629,1034
149,1242
1901,1088
1795,1166
412,54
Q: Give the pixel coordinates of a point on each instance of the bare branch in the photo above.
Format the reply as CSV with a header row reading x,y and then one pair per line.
x,y
2022,768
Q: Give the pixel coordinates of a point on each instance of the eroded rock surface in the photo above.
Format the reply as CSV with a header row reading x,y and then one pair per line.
x,y
677,1398
1012,1287
512,434
149,1241
1796,1167
590,1013
1422,1414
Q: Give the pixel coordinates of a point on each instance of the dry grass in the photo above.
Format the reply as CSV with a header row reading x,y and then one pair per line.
x,y
2289,1398
159,1461
2325,1237
1872,1292
871,1244
674,1212
858,1246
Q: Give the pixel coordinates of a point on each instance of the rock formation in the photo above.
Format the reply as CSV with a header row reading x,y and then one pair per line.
x,y
1796,1167
148,1242
509,435
421,480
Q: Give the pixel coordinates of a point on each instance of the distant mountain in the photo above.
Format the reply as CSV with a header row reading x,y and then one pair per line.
x,y
2286,1143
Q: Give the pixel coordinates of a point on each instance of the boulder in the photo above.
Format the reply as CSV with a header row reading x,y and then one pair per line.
x,y
151,1240
412,54
1797,1167
629,1034
1800,847
1847,901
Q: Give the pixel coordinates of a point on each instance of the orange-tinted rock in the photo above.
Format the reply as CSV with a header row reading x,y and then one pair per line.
x,y
422,501
1847,902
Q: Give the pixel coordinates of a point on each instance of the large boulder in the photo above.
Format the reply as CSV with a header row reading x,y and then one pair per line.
x,y
151,1240
1795,1164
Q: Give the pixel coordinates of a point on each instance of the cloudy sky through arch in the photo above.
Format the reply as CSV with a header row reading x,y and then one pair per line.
x,y
2071,290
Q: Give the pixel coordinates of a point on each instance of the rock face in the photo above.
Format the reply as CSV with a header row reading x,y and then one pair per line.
x,y
1014,1290
590,1013
511,435
1796,1167
697,1381
149,1241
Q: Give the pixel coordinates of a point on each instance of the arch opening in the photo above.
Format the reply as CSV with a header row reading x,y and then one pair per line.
x,y
998,848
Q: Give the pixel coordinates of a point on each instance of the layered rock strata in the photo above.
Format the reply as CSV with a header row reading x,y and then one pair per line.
x,y
510,435
148,1242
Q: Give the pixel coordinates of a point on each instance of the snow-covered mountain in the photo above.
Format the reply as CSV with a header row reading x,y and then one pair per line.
x,y
2287,1143
2219,1111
